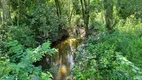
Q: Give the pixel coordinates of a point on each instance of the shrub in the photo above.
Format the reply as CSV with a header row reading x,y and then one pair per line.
x,y
20,65
115,56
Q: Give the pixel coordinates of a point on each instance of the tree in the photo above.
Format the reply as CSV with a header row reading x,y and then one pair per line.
x,y
85,5
108,7
76,6
5,10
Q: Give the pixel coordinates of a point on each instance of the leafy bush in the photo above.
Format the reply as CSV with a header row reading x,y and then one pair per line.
x,y
23,34
115,56
23,69
125,8
44,21
98,62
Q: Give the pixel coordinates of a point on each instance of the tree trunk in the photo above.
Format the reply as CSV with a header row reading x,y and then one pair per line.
x,y
76,6
0,18
108,7
5,10
58,7
85,13
4,21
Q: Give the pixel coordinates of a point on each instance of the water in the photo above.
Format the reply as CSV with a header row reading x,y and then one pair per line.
x,y
63,60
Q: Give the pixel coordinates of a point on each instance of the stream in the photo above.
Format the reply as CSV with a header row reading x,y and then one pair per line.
x,y
62,62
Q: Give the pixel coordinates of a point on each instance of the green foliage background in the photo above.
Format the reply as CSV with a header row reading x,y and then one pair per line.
x,y
29,27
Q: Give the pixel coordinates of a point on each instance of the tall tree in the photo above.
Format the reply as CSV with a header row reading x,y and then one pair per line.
x,y
108,7
76,6
0,18
85,4
58,7
59,13
5,18
5,10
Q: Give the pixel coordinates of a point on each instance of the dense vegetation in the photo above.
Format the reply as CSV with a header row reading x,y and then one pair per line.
x,y
112,47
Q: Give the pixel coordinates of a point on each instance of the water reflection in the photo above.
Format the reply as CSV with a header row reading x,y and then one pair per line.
x,y
63,60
